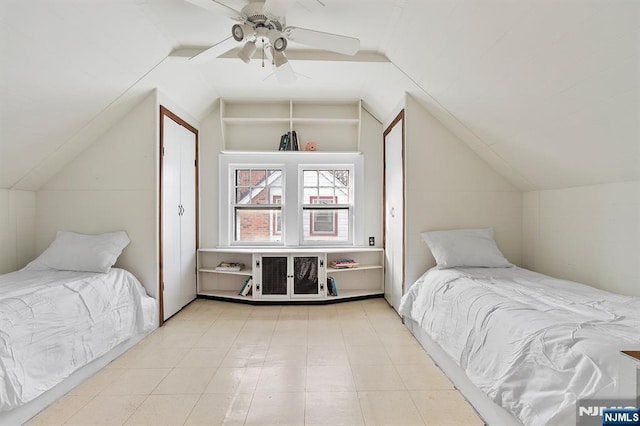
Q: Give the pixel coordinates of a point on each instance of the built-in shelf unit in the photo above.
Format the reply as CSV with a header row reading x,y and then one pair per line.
x,y
366,280
258,124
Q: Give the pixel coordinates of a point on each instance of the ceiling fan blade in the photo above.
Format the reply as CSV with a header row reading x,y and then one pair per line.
x,y
327,41
278,8
281,66
214,51
284,73
219,7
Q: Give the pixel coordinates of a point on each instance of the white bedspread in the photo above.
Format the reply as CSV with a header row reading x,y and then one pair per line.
x,y
54,322
533,344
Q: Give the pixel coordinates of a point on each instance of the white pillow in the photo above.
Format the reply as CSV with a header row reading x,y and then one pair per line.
x,y
465,247
71,251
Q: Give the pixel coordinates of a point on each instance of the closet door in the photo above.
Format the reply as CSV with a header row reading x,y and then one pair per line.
x,y
394,211
179,214
188,231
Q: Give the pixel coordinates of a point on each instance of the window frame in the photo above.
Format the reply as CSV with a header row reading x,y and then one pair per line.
x,y
350,207
234,206
291,208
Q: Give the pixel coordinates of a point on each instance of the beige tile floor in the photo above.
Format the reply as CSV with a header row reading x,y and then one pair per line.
x,y
217,363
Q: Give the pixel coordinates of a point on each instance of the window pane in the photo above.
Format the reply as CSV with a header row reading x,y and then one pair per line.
x,y
276,195
342,196
258,225
258,177
309,195
242,177
310,178
273,173
260,196
326,192
242,195
342,177
326,178
326,224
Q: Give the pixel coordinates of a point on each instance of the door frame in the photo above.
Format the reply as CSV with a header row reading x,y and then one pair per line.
x,y
165,112
399,119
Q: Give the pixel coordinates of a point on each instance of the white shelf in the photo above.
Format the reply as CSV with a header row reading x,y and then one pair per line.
x,y
358,268
350,294
326,120
225,294
291,249
245,272
249,120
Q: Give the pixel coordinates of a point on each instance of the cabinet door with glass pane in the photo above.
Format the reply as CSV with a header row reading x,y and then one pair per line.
x,y
309,276
289,276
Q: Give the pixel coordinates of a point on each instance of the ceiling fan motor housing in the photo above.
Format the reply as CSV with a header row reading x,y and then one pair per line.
x,y
259,23
242,32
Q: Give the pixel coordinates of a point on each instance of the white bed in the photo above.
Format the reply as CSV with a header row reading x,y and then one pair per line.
x,y
59,326
532,345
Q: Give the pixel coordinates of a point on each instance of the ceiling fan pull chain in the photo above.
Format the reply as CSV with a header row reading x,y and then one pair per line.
x,y
262,53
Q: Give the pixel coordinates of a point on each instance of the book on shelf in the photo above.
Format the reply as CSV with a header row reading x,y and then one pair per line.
x,y
344,263
230,266
289,142
331,286
246,288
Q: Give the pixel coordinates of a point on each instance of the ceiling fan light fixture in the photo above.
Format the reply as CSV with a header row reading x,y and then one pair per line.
x,y
279,44
247,51
279,59
242,32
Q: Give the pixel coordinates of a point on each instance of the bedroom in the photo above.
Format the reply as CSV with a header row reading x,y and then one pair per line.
x,y
521,116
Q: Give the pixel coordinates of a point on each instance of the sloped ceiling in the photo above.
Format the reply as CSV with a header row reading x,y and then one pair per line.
x,y
547,92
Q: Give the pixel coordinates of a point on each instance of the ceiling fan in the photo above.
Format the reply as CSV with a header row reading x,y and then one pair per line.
x,y
262,23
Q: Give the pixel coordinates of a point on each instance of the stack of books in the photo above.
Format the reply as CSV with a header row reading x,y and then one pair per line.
x,y
289,142
229,266
344,263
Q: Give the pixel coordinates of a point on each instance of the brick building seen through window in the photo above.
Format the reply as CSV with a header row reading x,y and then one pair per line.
x,y
259,204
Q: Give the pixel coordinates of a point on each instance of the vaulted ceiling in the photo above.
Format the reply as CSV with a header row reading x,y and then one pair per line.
x,y
546,91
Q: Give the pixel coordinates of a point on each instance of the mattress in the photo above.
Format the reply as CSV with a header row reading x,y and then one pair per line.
x,y
55,322
533,344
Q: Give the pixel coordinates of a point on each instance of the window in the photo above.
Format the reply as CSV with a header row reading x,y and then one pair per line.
x,y
257,205
292,199
327,204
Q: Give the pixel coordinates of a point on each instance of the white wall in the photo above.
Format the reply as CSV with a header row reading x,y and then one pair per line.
x,y
447,186
17,229
112,185
371,147
211,145
589,234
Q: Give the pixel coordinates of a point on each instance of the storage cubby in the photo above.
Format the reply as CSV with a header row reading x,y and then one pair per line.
x,y
325,110
218,282
367,278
